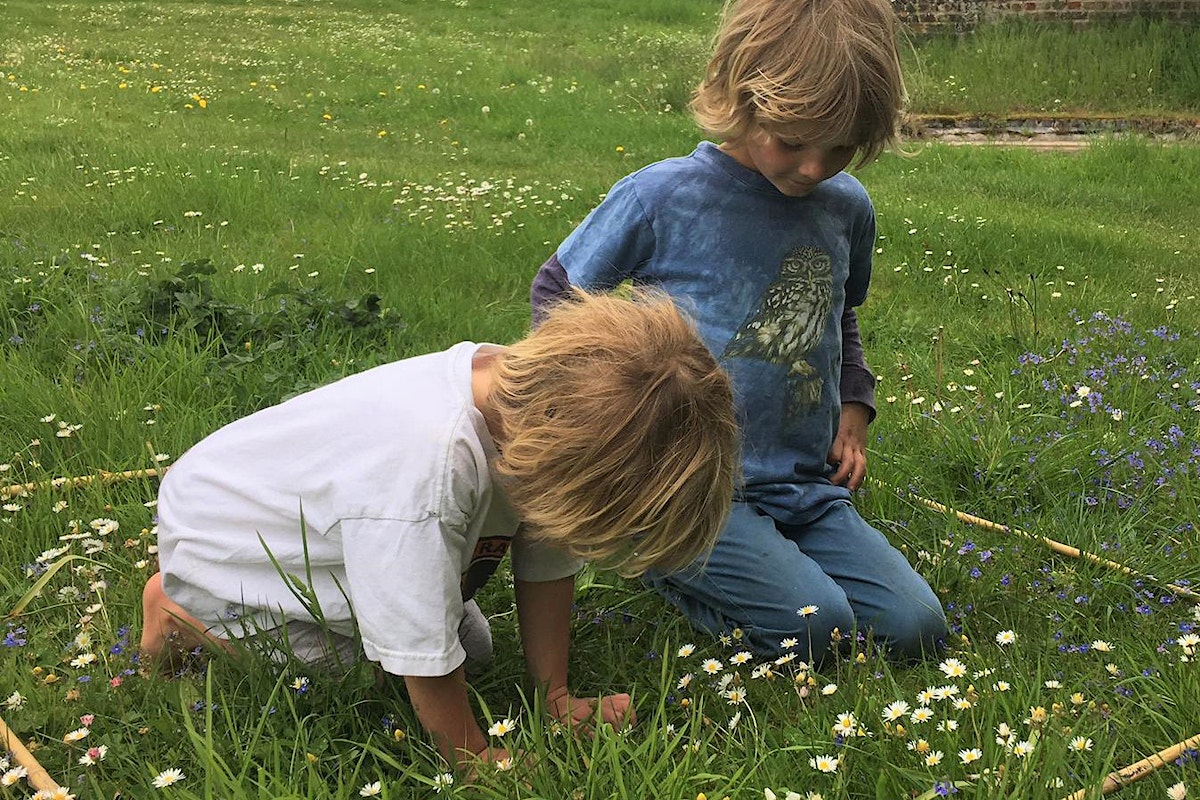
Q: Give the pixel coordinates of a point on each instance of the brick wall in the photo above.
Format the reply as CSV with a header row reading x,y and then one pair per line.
x,y
963,15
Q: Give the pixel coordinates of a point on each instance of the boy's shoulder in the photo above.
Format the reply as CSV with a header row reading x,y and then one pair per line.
x,y
700,160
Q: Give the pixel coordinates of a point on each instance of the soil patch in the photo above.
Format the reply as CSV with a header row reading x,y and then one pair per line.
x,y
1047,133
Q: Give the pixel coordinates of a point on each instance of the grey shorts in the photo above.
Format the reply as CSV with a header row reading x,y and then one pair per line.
x,y
305,641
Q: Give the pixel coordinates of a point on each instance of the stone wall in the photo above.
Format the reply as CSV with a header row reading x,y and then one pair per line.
x,y
922,16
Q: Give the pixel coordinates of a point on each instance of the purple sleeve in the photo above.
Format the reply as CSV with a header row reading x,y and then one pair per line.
x,y
550,285
858,382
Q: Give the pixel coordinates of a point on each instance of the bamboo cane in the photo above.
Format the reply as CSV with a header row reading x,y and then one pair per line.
x,y
18,489
1115,781
1056,546
36,775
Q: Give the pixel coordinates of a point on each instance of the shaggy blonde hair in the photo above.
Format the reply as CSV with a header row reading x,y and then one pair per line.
x,y
616,430
815,71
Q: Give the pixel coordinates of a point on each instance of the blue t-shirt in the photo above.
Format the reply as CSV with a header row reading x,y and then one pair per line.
x,y
766,278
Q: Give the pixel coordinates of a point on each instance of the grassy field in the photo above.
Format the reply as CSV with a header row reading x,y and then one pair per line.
x,y
207,207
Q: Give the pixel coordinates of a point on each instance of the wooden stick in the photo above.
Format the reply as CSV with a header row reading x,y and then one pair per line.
x,y
18,489
1115,781
38,778
1058,547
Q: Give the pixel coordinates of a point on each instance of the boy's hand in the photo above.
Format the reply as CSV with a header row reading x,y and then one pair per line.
x,y
849,451
577,713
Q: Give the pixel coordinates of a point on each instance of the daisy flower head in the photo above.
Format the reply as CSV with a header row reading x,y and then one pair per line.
x,y
922,714
1022,748
789,643
846,724
1102,646
735,695
826,764
503,764
970,755
763,671
1037,715
896,710
168,777
808,611
442,781
934,758
828,689
75,735
685,681
1005,638
502,727
13,775
711,666
57,793
371,789
739,658
687,650
953,668
93,756
1080,743
1177,792
83,660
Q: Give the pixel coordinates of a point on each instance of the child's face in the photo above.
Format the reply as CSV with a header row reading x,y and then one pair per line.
x,y
792,167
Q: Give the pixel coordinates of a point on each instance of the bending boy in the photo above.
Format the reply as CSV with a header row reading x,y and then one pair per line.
x,y
608,434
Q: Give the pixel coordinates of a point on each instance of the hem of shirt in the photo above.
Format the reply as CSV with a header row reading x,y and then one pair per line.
x,y
419,665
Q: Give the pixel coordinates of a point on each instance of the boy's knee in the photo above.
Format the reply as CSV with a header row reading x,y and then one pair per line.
x,y
153,598
912,633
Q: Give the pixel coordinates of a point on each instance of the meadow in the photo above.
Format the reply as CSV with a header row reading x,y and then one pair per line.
x,y
207,207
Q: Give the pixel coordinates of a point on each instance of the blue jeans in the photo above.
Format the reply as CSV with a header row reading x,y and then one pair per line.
x,y
762,572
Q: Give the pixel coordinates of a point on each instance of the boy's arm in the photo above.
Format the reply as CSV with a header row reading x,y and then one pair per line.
x,y
550,285
544,614
442,706
848,452
607,247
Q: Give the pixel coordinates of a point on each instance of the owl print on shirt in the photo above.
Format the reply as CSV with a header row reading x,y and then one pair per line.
x,y
790,321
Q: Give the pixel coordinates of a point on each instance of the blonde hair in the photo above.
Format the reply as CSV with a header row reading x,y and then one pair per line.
x,y
616,430
820,71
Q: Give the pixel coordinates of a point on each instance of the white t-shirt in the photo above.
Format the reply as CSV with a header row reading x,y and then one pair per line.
x,y
384,476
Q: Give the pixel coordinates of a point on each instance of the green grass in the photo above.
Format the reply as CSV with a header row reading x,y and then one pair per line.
x,y
342,199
